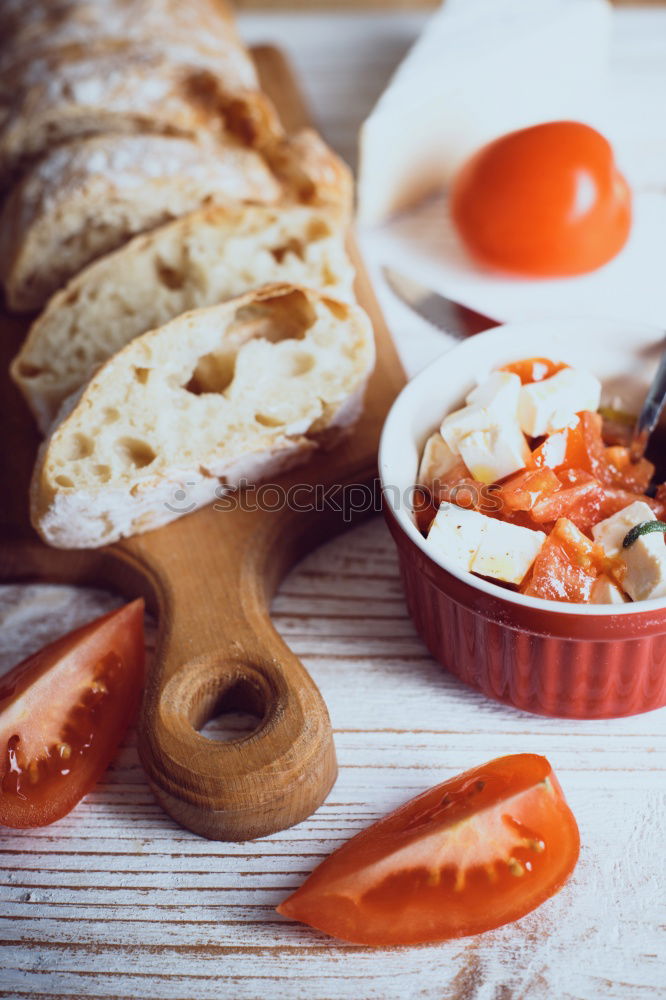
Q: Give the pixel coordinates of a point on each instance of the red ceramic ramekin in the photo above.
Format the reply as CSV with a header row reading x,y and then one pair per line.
x,y
573,660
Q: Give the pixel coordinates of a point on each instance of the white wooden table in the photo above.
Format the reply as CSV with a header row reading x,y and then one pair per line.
x,y
116,901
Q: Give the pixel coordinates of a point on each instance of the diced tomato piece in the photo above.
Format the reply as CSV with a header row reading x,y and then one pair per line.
x,y
590,424
575,477
534,369
611,466
467,493
580,503
627,474
525,489
564,449
424,509
459,487
566,567
616,500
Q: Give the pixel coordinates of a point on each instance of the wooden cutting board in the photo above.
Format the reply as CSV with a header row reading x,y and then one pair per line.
x,y
210,578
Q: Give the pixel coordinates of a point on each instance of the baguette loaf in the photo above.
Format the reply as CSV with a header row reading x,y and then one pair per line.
x,y
236,392
89,197
203,258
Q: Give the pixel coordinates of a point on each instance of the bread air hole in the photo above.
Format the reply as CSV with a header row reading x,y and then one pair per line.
x,y
266,420
64,481
339,309
213,373
135,452
292,246
28,370
297,363
318,229
103,473
142,375
168,276
110,415
284,317
80,446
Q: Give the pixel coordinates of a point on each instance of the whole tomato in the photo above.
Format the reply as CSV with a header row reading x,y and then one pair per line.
x,y
544,201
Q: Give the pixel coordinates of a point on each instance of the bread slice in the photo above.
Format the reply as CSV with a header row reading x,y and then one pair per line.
x,y
110,85
218,397
203,258
201,31
89,197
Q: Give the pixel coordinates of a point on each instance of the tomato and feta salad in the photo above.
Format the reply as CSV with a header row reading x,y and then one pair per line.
x,y
528,486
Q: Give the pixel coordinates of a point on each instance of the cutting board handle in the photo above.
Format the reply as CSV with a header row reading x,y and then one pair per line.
x,y
248,788
219,652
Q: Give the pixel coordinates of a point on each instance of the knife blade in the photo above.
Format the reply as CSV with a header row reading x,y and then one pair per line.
x,y
448,316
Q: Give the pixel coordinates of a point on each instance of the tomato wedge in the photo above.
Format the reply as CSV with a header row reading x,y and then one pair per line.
x,y
471,854
63,712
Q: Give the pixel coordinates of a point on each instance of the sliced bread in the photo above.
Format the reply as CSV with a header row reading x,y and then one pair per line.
x,y
202,31
203,258
88,197
120,87
216,398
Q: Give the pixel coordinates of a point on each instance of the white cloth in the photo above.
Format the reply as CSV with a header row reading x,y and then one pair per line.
x,y
422,242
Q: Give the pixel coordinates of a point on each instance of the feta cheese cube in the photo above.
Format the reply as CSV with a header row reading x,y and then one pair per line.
x,y
494,453
506,551
550,405
611,533
436,461
493,403
500,389
606,591
644,561
455,534
482,544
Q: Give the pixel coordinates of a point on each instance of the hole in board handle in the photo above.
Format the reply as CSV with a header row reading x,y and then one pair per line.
x,y
225,710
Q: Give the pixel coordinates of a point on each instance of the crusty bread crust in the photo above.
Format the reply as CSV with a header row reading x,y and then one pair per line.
x,y
111,68
89,197
21,21
203,258
311,173
203,30
234,392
